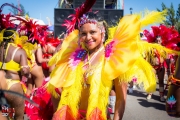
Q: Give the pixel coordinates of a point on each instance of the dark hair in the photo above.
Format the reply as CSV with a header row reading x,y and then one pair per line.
x,y
7,33
99,18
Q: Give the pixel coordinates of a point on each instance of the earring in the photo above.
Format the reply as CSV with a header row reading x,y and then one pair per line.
x,y
103,39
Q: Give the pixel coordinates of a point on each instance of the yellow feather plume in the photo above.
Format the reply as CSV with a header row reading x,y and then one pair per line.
x,y
1,35
152,17
145,47
144,73
71,95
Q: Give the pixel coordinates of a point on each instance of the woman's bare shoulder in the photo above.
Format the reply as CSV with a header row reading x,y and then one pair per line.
x,y
21,51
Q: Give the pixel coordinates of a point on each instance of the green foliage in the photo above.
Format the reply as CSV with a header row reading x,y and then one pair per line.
x,y
15,11
173,16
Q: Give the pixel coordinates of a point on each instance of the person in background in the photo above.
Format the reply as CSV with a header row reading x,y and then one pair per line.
x,y
13,61
160,66
173,96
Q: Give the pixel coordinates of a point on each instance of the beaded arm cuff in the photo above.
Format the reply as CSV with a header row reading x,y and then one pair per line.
x,y
25,66
174,81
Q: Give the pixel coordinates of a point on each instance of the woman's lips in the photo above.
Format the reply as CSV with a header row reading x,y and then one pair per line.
x,y
89,42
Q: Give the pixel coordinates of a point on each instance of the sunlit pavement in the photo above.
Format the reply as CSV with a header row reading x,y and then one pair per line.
x,y
139,108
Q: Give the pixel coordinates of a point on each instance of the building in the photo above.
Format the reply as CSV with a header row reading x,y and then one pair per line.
x,y
103,4
110,10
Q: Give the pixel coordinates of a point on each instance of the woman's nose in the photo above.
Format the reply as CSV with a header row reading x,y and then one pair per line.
x,y
88,37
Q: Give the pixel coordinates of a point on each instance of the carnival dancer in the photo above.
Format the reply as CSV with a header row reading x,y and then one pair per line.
x,y
52,47
36,39
173,96
160,66
13,61
172,64
91,59
164,36
36,44
48,51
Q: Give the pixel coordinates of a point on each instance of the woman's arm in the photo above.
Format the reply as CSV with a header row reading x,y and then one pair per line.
x,y
177,70
25,69
121,93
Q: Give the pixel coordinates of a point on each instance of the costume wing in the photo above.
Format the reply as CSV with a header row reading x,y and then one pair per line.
x,y
121,52
68,46
124,55
63,74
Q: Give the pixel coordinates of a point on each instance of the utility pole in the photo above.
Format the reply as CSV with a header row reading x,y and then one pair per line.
x,y
19,13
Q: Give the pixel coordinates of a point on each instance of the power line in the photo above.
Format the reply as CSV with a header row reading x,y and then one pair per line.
x,y
56,4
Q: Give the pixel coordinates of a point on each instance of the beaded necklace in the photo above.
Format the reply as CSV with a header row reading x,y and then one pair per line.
x,y
89,69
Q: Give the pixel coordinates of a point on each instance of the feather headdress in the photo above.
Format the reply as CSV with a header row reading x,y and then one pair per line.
x,y
34,31
75,18
169,36
5,21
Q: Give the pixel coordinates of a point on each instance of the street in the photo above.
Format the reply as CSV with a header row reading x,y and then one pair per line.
x,y
139,108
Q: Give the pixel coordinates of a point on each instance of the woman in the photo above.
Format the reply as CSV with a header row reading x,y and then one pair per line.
x,y
48,50
91,60
37,75
173,96
13,61
36,38
160,66
92,37
41,96
159,58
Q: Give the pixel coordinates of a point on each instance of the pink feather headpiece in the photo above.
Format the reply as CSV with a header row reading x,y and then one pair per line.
x,y
36,32
169,36
5,21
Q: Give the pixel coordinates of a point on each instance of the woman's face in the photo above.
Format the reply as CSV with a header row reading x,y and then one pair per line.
x,y
158,40
91,36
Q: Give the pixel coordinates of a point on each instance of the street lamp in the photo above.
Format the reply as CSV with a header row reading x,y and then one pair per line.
x,y
130,10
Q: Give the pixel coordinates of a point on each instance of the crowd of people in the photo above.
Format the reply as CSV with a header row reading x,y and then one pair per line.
x,y
86,74
164,65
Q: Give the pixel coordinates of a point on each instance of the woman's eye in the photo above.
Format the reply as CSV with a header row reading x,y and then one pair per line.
x,y
83,34
92,32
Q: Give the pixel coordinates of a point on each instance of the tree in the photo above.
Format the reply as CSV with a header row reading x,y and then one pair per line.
x,y
173,17
178,19
15,11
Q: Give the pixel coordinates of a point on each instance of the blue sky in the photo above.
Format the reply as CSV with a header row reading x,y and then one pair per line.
x,y
41,9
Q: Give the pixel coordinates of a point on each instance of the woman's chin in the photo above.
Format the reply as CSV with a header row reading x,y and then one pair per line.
x,y
90,47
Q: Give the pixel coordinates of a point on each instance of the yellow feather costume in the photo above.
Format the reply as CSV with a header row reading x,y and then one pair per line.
x,y
124,60
21,41
28,47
